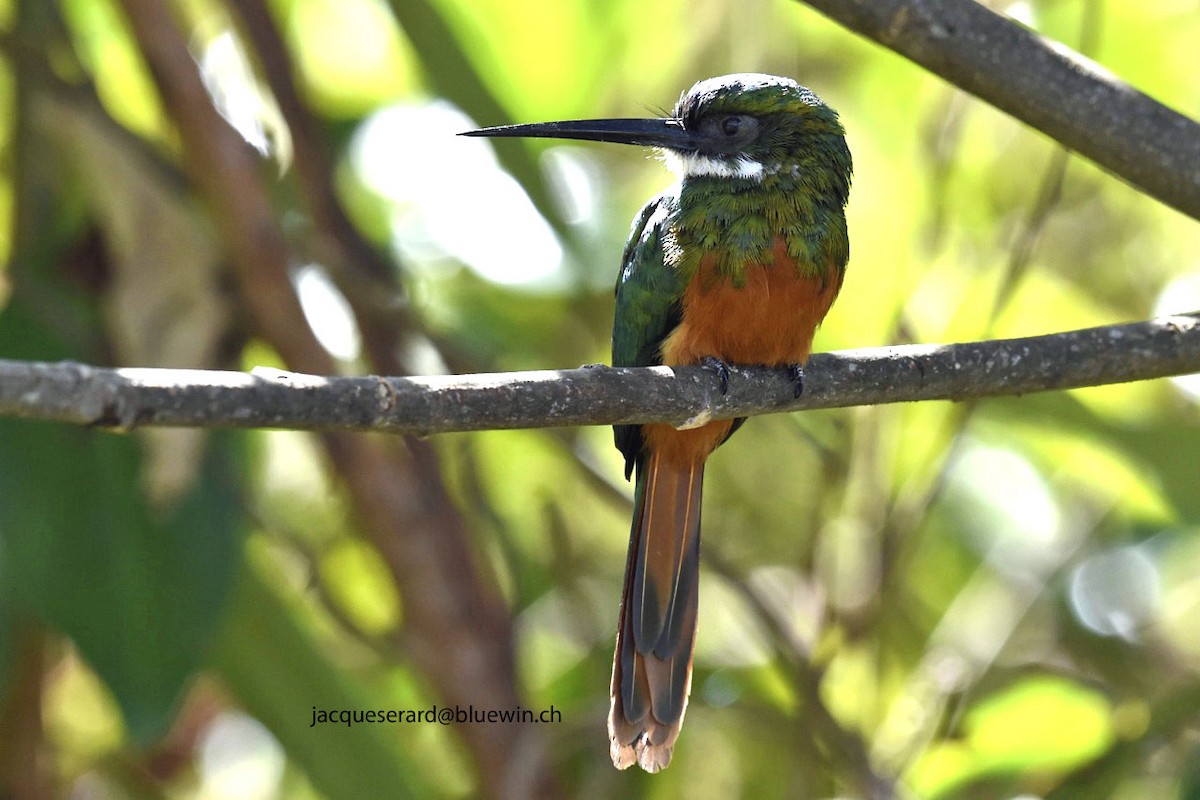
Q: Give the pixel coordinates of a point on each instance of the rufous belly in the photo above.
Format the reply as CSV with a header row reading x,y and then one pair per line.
x,y
770,320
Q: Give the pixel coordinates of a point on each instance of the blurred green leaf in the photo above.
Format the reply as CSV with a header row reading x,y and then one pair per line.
x,y
1162,446
138,589
1038,724
452,74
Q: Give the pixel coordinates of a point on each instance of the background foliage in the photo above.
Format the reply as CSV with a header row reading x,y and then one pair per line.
x,y
972,600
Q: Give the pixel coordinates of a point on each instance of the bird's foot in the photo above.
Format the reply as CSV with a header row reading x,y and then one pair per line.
x,y
796,373
721,368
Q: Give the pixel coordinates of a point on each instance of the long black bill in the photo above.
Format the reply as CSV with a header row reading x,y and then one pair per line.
x,y
649,132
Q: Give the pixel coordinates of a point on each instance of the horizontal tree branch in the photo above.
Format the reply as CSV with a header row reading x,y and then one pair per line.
x,y
1043,84
681,396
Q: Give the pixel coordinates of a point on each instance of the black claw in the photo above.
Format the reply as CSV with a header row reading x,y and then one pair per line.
x,y
796,373
722,371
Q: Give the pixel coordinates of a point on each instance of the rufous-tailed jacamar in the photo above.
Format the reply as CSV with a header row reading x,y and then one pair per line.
x,y
738,262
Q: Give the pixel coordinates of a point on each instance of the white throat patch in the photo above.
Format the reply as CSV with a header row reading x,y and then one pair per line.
x,y
689,165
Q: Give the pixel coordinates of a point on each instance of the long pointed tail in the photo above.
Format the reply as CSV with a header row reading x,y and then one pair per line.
x,y
652,667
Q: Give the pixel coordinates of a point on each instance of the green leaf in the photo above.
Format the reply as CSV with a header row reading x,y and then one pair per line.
x,y
453,75
1041,724
1163,446
138,590
1044,722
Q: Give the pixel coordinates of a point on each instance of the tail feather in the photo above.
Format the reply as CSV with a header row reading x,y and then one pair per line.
x,y
652,666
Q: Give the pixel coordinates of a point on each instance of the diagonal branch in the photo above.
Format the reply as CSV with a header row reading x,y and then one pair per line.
x,y
1042,83
128,398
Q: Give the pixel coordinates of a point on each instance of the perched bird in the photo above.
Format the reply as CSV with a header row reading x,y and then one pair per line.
x,y
738,262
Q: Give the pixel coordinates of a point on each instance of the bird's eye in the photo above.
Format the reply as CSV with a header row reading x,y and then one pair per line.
x,y
727,133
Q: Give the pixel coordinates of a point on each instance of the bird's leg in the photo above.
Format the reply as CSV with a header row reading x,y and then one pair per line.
x,y
721,368
796,373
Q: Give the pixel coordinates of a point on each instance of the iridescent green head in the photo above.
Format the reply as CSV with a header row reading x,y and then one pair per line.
x,y
745,127
751,126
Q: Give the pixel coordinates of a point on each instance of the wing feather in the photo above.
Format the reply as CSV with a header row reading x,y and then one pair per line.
x,y
649,292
